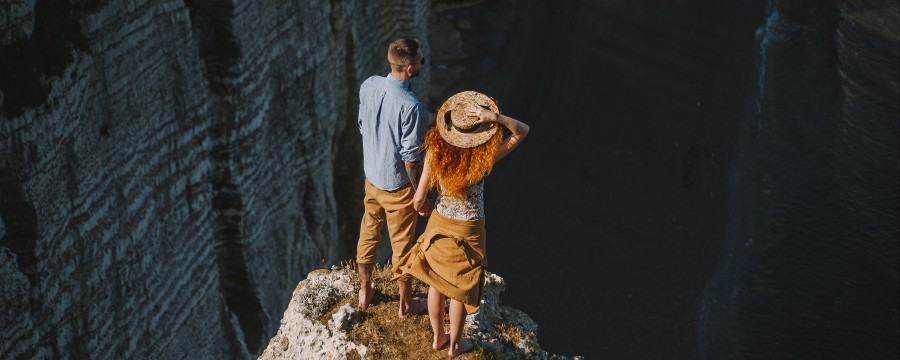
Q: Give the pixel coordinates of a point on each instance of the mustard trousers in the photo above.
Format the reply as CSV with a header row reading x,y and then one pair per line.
x,y
397,209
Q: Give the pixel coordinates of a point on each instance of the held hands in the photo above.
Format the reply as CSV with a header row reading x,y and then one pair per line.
x,y
422,205
481,114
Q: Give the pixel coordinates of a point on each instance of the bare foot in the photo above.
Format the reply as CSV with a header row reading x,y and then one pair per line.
x,y
440,342
462,346
365,295
415,306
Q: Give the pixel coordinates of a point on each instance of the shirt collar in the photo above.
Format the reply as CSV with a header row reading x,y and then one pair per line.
x,y
399,82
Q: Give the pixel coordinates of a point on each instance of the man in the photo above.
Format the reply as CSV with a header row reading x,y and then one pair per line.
x,y
391,121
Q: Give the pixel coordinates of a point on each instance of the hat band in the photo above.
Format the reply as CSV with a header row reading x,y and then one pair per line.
x,y
448,122
467,131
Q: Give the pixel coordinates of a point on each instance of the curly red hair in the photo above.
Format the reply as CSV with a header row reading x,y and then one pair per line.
x,y
455,167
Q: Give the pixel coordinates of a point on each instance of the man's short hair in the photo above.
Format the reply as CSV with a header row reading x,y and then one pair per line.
x,y
402,52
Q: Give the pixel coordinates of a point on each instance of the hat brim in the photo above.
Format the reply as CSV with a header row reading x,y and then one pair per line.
x,y
452,112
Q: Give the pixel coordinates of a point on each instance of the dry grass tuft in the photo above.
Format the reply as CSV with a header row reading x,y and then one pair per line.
x,y
353,355
386,335
508,335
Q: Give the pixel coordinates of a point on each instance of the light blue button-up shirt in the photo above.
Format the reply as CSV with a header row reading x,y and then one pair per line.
x,y
392,122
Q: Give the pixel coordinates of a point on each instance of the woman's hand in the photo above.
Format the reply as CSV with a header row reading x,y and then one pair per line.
x,y
420,200
481,114
421,204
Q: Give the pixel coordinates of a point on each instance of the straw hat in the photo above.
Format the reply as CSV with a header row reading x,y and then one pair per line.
x,y
458,129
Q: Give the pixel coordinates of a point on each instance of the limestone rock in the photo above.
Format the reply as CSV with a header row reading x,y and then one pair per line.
x,y
343,318
302,335
502,330
493,318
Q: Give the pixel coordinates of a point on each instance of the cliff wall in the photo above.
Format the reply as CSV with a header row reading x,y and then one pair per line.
x,y
168,169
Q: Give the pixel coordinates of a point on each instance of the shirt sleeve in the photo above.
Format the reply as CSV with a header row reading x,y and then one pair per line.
x,y
410,142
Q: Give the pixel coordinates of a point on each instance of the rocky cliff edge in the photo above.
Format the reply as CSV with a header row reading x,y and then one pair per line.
x,y
323,322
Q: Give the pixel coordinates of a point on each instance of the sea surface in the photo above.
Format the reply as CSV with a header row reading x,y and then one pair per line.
x,y
691,182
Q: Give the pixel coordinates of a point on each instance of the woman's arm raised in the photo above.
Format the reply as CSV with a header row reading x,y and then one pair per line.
x,y
519,129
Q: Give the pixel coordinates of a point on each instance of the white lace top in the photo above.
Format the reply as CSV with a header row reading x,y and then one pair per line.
x,y
470,208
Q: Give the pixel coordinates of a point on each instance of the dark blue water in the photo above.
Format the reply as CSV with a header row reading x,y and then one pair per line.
x,y
700,180
810,269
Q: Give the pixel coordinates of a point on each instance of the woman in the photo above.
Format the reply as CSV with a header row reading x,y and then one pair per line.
x,y
461,149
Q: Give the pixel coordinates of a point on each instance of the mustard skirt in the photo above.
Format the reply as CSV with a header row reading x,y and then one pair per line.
x,y
450,256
